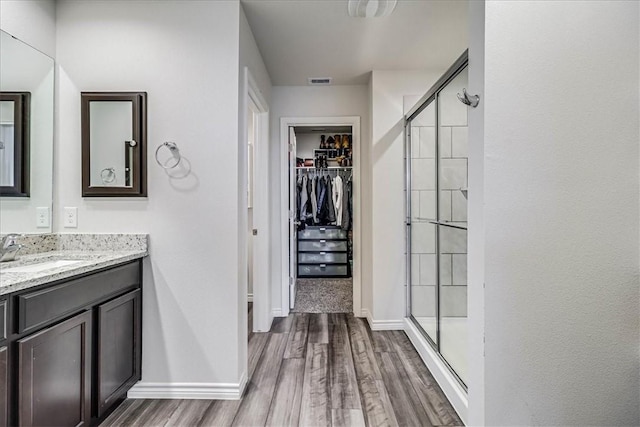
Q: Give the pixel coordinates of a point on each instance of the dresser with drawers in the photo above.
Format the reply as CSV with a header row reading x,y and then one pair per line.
x,y
323,252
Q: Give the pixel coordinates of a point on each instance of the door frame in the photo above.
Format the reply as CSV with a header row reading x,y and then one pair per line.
x,y
293,229
354,122
261,269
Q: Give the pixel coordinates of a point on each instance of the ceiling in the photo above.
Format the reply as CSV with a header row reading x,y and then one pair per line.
x,y
317,38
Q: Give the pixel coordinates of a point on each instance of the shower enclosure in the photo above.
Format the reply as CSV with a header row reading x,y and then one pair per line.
x,y
436,190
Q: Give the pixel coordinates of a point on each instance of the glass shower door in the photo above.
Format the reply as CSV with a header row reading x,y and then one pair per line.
x,y
437,224
452,191
424,274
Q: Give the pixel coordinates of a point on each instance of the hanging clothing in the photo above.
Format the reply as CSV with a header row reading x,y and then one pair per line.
x,y
324,200
347,205
309,218
304,199
323,208
331,211
314,200
337,199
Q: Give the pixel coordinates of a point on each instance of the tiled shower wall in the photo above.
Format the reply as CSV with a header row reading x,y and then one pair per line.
x,y
453,208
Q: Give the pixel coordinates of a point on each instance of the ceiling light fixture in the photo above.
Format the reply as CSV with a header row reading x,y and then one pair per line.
x,y
371,8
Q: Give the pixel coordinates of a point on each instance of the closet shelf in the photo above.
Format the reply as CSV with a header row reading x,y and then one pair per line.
x,y
327,168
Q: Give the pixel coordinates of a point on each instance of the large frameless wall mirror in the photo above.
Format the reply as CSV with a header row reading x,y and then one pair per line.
x,y
26,137
437,178
114,144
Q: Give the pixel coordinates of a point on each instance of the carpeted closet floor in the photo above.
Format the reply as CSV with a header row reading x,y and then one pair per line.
x,y
324,296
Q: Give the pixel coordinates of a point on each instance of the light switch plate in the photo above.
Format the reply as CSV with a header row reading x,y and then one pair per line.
x,y
42,217
71,217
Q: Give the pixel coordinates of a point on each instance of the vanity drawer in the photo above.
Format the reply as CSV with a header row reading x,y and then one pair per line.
x,y
322,257
322,245
41,307
3,320
321,270
314,232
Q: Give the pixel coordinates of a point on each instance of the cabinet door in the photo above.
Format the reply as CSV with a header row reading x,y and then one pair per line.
x,y
118,348
54,375
4,385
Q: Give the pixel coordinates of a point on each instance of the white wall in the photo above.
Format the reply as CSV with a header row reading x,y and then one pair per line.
x,y
475,236
388,266
251,59
32,21
561,198
307,101
186,56
367,216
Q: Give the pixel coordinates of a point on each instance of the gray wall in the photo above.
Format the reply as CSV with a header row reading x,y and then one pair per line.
x,y
561,213
186,56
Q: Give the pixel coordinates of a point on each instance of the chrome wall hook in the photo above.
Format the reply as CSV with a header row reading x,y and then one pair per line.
x,y
470,100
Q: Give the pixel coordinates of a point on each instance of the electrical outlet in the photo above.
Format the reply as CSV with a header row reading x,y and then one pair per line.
x,y
42,217
71,217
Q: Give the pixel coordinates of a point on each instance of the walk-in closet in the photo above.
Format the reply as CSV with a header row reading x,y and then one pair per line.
x,y
322,240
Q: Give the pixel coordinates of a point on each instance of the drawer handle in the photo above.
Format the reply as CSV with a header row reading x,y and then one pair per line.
x,y
323,266
323,253
323,241
322,230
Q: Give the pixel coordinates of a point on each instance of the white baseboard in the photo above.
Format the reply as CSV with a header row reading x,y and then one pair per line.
x,y
213,391
448,383
382,325
250,297
276,312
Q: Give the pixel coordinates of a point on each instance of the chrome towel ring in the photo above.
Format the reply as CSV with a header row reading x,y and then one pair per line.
x,y
108,175
172,161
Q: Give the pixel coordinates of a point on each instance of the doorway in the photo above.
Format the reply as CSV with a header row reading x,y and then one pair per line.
x,y
252,118
320,190
256,128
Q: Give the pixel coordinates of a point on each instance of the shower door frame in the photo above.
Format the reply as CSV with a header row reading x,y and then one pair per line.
x,y
430,97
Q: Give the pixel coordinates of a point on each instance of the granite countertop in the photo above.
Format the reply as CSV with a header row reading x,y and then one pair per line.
x,y
88,261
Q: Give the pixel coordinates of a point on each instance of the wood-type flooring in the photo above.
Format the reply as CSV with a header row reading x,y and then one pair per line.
x,y
314,370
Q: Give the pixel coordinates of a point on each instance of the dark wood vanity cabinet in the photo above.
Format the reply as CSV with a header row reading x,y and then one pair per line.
x,y
118,348
4,384
4,366
73,348
54,375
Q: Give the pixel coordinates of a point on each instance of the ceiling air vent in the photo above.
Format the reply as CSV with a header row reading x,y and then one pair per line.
x,y
319,81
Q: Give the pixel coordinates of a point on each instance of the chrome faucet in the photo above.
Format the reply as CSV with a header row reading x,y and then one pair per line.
x,y
9,247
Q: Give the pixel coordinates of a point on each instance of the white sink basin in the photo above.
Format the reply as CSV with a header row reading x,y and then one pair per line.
x,y
42,266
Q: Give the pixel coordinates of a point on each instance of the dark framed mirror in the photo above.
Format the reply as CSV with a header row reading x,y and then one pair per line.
x,y
114,144
14,143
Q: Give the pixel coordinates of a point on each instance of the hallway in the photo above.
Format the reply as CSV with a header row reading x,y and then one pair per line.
x,y
315,370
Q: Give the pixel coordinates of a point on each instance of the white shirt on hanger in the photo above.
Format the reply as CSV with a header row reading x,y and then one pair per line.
x,y
337,198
